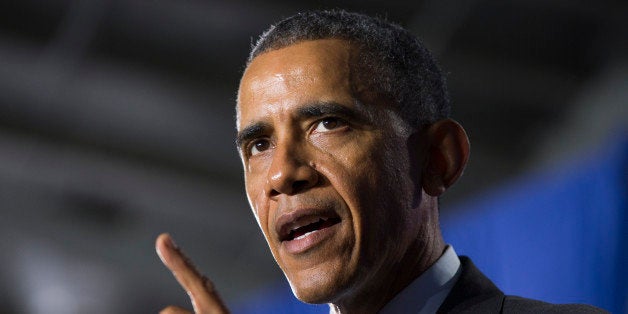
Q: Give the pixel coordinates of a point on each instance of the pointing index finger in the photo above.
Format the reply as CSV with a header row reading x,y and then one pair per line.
x,y
200,289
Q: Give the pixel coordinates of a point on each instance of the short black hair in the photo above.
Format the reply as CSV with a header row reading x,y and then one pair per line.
x,y
398,64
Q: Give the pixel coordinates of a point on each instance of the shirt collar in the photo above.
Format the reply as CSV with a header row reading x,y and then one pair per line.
x,y
427,292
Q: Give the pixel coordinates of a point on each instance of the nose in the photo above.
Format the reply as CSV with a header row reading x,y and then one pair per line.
x,y
290,172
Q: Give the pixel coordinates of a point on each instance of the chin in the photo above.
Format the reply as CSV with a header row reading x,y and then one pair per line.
x,y
318,288
314,294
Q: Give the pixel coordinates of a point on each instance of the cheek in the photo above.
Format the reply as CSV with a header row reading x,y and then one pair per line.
x,y
370,178
353,172
258,203
353,162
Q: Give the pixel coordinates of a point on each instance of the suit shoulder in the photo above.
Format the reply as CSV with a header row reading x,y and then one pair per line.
x,y
513,304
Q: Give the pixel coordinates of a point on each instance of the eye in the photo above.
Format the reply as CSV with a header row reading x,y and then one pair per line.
x,y
258,147
328,124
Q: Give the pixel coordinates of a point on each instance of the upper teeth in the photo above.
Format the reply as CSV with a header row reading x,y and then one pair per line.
x,y
305,223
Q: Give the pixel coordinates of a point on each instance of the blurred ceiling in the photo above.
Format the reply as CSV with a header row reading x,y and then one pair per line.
x,y
116,124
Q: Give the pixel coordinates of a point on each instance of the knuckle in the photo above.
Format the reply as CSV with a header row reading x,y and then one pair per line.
x,y
208,284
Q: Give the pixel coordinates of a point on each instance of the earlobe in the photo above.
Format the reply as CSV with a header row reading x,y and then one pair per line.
x,y
447,156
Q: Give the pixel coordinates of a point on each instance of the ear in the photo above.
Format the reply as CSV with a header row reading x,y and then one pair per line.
x,y
447,155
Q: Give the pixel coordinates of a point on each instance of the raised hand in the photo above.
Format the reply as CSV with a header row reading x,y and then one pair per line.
x,y
205,300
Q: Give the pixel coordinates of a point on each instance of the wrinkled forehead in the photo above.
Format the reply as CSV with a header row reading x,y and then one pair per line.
x,y
308,69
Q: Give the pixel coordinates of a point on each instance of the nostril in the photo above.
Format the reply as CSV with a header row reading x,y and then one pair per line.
x,y
300,185
273,193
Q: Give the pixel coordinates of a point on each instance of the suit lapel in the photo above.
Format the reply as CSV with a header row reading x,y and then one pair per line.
x,y
473,293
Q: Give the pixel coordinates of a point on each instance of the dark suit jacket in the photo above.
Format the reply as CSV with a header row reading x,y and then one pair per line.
x,y
474,293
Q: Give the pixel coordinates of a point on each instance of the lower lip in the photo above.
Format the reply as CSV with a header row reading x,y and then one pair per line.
x,y
301,245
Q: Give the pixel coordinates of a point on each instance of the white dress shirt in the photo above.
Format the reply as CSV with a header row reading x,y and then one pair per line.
x,y
427,293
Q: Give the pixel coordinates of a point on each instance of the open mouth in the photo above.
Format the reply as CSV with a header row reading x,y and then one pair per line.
x,y
304,231
300,224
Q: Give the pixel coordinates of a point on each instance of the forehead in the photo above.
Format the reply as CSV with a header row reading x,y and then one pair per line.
x,y
309,71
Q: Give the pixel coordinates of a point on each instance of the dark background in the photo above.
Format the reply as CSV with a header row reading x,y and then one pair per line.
x,y
116,124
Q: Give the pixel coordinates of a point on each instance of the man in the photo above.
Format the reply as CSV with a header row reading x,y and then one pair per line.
x,y
346,144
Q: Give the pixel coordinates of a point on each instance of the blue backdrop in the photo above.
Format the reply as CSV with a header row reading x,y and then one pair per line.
x,y
558,235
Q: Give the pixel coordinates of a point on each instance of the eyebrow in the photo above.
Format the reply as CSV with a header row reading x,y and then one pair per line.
x,y
309,111
320,109
250,132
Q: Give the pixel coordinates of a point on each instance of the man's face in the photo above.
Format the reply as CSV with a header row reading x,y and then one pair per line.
x,y
327,170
